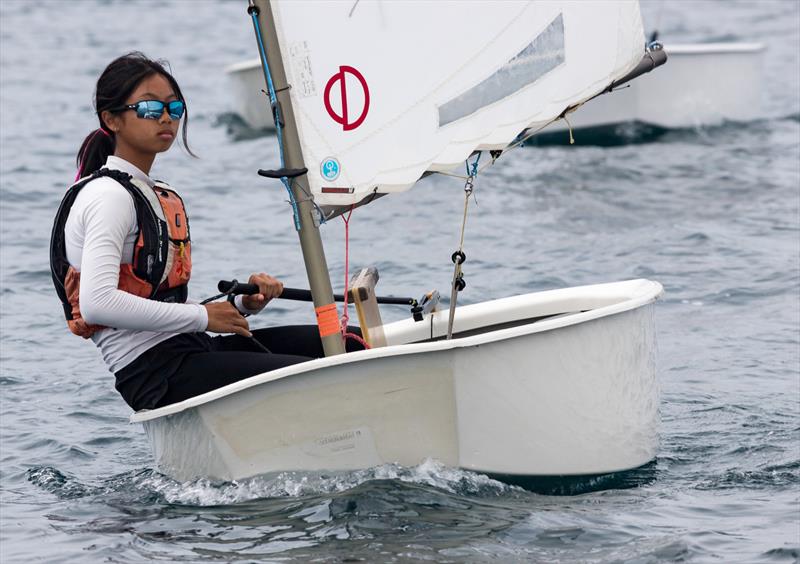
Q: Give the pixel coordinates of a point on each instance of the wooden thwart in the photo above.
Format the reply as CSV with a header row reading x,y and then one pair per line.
x,y
362,294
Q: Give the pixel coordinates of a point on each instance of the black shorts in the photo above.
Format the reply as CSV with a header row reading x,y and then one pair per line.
x,y
191,364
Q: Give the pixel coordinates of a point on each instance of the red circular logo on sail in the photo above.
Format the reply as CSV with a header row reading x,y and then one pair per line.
x,y
359,100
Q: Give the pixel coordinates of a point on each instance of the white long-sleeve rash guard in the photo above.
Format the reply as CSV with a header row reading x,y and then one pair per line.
x,y
100,234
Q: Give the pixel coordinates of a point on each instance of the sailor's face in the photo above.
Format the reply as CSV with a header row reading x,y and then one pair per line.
x,y
153,134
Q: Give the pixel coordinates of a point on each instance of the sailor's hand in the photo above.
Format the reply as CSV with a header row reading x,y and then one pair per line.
x,y
224,318
268,288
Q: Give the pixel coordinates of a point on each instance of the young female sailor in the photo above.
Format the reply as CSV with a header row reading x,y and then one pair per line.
x,y
121,257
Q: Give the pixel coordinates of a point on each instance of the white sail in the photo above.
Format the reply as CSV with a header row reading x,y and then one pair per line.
x,y
384,91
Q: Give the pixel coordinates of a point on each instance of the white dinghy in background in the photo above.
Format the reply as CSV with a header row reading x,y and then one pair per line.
x,y
246,80
553,383
705,84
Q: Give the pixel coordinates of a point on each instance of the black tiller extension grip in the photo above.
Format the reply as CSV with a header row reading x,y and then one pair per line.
x,y
234,287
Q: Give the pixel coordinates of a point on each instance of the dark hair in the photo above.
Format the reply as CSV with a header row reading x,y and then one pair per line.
x,y
119,79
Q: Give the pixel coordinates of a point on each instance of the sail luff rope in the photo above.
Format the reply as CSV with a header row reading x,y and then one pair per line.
x,y
273,99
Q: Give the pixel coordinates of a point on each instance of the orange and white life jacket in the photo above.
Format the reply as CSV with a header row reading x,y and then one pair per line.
x,y
162,263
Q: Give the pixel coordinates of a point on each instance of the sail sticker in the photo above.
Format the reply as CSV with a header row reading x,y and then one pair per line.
x,y
358,100
300,62
329,168
539,57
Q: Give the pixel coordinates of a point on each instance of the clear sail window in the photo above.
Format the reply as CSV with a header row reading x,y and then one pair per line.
x,y
539,57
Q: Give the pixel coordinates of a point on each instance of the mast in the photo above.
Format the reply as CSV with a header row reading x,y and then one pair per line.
x,y
310,240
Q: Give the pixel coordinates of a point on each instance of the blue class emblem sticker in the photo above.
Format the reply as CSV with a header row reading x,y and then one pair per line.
x,y
329,168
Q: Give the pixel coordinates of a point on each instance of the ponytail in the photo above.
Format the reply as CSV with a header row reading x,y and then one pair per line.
x,y
94,151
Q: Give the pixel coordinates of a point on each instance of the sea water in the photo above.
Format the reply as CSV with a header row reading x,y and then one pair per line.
x,y
711,213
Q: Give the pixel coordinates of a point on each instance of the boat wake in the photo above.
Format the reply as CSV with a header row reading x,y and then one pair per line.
x,y
150,484
290,514
303,484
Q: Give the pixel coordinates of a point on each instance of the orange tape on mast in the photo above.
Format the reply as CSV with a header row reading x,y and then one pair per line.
x,y
327,320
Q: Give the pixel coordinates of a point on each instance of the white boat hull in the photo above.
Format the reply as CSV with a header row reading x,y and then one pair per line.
x,y
700,85
248,87
572,393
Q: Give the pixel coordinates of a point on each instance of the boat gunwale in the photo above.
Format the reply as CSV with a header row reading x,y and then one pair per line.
x,y
640,292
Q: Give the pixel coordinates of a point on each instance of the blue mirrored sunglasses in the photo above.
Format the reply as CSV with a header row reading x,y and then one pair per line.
x,y
152,109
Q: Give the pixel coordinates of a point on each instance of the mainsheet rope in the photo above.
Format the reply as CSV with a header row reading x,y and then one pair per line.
x,y
229,293
345,315
459,257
